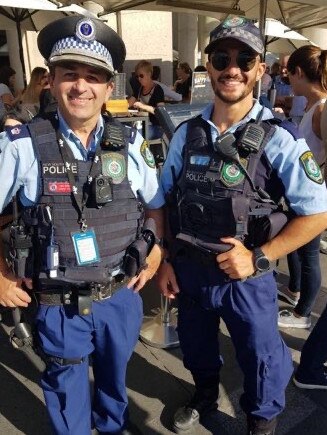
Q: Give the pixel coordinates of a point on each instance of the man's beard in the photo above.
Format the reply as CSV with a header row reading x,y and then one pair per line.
x,y
232,99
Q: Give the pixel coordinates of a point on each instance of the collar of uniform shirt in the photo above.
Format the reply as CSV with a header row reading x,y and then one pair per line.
x,y
254,112
74,142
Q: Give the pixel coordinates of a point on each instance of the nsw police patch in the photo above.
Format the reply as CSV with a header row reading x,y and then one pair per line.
x,y
311,167
114,166
232,173
233,22
147,155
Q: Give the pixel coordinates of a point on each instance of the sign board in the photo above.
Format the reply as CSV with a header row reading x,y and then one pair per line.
x,y
119,92
201,91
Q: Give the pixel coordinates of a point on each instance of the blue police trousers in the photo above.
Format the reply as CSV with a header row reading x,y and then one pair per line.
x,y
249,310
110,334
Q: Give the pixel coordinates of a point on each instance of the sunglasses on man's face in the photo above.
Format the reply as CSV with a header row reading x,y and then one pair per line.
x,y
139,76
245,60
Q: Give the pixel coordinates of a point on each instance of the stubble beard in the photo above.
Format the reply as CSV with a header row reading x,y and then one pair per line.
x,y
232,99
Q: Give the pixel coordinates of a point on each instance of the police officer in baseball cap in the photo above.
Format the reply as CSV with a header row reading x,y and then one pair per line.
x,y
82,179
240,29
219,267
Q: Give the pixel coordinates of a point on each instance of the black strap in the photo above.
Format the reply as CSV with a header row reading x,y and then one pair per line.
x,y
80,198
62,361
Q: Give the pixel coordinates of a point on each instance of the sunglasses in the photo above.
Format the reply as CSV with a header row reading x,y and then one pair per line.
x,y
245,60
139,76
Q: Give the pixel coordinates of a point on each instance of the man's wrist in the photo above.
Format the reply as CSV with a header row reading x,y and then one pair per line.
x,y
260,262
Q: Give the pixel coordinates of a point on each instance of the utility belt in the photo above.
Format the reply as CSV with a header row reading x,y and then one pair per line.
x,y
81,295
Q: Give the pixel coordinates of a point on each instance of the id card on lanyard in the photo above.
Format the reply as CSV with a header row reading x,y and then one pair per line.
x,y
86,247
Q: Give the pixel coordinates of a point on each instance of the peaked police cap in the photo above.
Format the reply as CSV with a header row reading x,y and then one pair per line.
x,y
84,40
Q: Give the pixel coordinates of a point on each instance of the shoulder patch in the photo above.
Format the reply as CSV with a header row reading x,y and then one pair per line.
x,y
311,167
19,131
147,155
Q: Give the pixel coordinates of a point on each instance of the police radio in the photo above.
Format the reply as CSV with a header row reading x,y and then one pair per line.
x,y
251,138
103,189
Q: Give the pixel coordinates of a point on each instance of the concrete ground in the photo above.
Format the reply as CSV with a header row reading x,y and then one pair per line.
x,y
158,384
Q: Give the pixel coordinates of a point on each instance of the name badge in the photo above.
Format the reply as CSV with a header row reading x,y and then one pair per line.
x,y
86,247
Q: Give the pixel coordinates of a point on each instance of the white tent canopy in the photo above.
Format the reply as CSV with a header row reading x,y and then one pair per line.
x,y
280,39
295,14
277,29
33,15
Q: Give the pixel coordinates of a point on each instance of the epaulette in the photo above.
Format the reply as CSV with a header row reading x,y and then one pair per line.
x,y
15,132
189,120
132,135
287,125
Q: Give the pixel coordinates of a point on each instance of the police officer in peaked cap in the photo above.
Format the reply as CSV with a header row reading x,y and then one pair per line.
x,y
88,192
223,178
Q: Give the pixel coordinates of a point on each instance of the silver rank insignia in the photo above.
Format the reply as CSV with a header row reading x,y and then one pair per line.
x,y
114,166
311,167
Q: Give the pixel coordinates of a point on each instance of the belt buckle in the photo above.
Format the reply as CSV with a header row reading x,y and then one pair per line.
x,y
104,291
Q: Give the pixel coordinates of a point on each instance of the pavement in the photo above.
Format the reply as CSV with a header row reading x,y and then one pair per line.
x,y
158,384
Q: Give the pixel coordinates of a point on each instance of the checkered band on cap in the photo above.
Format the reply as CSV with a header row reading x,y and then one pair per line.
x,y
243,34
239,28
92,49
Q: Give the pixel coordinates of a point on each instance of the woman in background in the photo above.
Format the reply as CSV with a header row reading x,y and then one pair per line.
x,y
307,70
183,84
149,96
7,87
31,97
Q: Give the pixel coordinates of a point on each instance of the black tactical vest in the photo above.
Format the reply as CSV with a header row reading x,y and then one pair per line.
x,y
214,198
116,224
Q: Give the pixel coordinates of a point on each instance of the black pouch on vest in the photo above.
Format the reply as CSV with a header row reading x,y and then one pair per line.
x,y
265,228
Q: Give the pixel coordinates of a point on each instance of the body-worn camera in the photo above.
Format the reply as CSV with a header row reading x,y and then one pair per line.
x,y
103,189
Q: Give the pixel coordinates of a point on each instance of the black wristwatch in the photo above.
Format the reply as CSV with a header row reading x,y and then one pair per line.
x,y
261,262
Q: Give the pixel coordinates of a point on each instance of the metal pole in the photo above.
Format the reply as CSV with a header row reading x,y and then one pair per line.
x,y
262,25
21,51
160,331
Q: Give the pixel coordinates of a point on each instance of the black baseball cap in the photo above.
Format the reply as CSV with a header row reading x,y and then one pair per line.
x,y
239,28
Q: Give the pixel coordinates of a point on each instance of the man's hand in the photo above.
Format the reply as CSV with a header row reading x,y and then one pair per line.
x,y
237,263
11,293
166,280
153,262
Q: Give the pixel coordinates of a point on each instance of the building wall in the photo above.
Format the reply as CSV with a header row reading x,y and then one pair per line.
x,y
148,35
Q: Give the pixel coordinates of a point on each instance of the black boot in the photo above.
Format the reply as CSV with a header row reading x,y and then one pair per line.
x,y
260,426
203,402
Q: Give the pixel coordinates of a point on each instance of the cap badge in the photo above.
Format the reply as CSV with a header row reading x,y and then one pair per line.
x,y
85,30
233,22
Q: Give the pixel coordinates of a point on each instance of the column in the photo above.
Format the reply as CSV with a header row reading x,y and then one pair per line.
x,y
14,58
188,38
206,24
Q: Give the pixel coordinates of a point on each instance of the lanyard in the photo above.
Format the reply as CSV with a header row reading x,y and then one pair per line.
x,y
80,198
